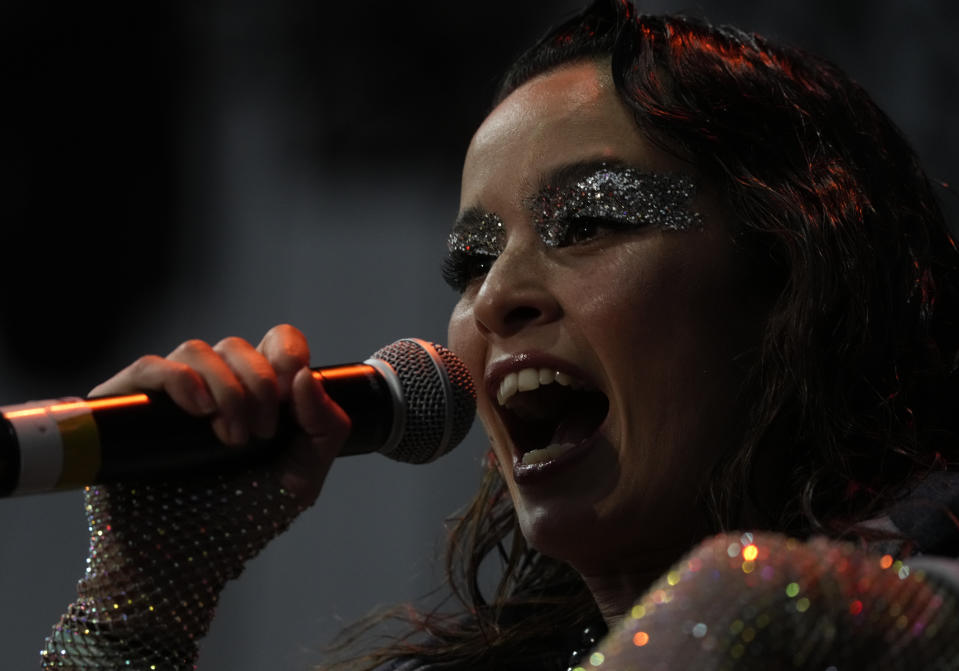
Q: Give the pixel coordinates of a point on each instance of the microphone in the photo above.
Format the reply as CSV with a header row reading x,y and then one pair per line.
x,y
412,401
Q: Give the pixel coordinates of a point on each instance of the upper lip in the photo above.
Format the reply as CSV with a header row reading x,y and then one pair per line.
x,y
499,368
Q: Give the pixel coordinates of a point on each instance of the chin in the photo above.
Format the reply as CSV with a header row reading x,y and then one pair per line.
x,y
613,532
561,536
577,531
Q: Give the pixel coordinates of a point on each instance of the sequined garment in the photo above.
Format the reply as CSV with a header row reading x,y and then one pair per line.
x,y
769,602
159,556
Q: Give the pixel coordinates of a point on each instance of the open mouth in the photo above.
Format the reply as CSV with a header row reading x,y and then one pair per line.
x,y
547,413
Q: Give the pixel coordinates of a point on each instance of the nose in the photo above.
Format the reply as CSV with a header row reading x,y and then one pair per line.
x,y
516,294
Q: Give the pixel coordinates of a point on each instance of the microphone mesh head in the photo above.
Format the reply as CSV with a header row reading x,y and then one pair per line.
x,y
439,395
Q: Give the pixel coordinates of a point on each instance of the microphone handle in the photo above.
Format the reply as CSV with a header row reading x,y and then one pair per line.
x,y
70,443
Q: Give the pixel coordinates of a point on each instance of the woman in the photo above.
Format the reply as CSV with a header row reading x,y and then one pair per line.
x,y
705,286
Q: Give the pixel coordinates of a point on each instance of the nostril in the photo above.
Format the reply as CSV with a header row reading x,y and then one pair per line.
x,y
520,315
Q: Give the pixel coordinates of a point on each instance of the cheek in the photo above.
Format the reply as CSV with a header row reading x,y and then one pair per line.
x,y
467,343
464,339
659,300
619,301
686,342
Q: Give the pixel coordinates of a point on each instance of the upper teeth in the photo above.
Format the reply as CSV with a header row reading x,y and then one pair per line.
x,y
529,379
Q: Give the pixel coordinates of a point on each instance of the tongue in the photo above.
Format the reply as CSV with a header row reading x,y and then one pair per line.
x,y
581,420
573,430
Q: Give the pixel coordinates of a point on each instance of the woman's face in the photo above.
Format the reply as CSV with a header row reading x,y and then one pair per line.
x,y
606,317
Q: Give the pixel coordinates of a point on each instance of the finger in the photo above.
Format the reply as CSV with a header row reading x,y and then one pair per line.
x,y
258,378
287,350
317,414
325,428
153,373
231,423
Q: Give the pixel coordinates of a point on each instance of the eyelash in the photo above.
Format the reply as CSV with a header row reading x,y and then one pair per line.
x,y
596,228
461,268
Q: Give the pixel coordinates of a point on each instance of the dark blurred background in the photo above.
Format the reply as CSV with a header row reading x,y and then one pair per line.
x,y
201,169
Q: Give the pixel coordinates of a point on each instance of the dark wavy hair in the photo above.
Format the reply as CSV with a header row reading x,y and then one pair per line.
x,y
853,397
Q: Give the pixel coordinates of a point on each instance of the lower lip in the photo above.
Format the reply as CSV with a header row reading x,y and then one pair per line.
x,y
528,474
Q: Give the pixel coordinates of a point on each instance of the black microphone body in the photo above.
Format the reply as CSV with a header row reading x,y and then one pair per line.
x,y
412,401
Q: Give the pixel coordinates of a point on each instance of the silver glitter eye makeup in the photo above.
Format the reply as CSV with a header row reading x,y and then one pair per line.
x,y
482,234
623,197
477,239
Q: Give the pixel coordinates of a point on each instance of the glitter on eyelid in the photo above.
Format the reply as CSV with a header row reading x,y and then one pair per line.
x,y
622,195
484,235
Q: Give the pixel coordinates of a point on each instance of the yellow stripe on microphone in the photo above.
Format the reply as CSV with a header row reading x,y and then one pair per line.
x,y
82,456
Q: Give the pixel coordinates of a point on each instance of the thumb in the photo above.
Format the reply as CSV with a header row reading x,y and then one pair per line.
x,y
324,428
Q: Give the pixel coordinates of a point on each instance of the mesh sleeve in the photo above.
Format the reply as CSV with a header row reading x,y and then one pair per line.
x,y
159,556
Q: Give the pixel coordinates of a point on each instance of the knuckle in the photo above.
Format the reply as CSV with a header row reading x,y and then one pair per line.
x,y
285,361
145,365
147,361
285,345
190,347
231,343
284,331
181,373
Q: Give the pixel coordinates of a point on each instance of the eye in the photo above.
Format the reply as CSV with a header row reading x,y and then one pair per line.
x,y
585,229
462,268
581,231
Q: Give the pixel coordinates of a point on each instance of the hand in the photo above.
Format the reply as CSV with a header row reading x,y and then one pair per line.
x,y
243,389
161,552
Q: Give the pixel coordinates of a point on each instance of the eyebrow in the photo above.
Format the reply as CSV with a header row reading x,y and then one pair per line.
x,y
471,218
572,173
